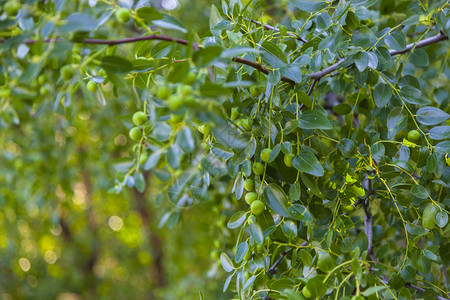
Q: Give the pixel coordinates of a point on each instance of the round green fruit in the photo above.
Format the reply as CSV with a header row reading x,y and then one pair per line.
x,y
325,262
174,102
11,7
102,73
135,133
348,208
306,292
247,124
175,119
184,90
249,185
248,255
288,159
258,168
204,129
163,92
91,86
66,72
265,154
429,215
143,158
190,78
123,15
234,113
139,118
257,207
250,198
413,136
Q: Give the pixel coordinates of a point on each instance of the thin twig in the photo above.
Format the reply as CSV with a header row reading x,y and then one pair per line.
x,y
275,264
259,68
268,27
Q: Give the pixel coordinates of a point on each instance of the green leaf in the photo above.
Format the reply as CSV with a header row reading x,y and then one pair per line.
x,y
207,55
169,22
276,199
227,283
256,233
348,148
440,133
443,147
396,121
237,219
274,153
396,40
316,286
309,5
361,61
373,289
300,212
408,274
307,162
240,252
149,13
441,219
377,152
185,140
304,98
214,18
116,64
382,251
79,22
295,191
419,57
419,192
431,115
249,283
314,119
227,264
364,37
306,257
273,55
342,109
382,94
413,96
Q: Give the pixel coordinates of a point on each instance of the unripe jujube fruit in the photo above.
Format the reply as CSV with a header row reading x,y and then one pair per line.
x,y
249,185
258,168
265,154
139,118
123,15
135,133
66,72
288,159
257,207
250,198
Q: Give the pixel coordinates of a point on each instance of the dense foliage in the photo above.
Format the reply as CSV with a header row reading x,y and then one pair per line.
x,y
301,145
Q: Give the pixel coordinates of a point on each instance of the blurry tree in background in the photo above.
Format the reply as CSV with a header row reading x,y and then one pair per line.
x,y
284,149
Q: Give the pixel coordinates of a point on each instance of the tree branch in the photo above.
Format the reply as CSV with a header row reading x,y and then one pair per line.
x,y
268,27
317,75
275,264
428,41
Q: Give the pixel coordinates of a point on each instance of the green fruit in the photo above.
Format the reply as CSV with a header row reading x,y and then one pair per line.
x,y
248,255
102,73
11,7
428,217
163,92
234,113
258,168
143,158
265,154
43,90
174,102
250,198
66,72
348,208
249,185
413,136
42,79
139,118
257,207
175,119
123,15
325,261
247,124
135,133
306,292
288,160
91,86
204,129
254,91
190,78
184,90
